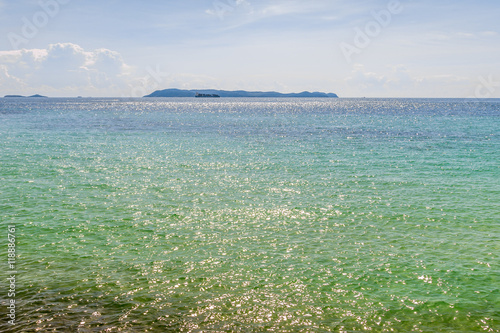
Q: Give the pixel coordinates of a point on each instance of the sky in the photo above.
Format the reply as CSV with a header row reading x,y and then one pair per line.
x,y
366,48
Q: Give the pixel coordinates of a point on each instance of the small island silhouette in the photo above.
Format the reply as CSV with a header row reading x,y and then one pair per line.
x,y
19,96
237,93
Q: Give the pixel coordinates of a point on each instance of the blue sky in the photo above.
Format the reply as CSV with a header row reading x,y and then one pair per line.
x,y
371,48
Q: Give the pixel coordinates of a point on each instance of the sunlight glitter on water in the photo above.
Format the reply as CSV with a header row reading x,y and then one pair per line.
x,y
312,216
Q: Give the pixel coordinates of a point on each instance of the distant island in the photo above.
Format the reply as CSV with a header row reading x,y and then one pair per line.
x,y
237,93
19,96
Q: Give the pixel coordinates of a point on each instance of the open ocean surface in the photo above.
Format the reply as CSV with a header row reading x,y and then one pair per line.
x,y
251,215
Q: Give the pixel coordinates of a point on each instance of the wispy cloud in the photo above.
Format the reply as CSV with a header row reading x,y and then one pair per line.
x,y
489,33
251,13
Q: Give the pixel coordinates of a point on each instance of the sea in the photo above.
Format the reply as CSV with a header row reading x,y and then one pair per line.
x,y
249,215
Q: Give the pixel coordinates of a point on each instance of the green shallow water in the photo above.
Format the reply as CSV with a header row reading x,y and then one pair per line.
x,y
236,215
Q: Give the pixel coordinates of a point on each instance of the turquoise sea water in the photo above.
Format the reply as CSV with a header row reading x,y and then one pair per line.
x,y
251,215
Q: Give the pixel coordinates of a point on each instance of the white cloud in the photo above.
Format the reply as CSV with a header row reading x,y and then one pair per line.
x,y
465,35
489,33
252,12
365,80
399,81
454,36
63,69
222,8
278,8
8,80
